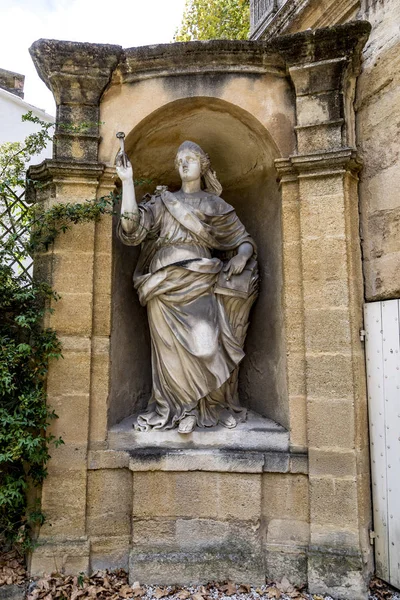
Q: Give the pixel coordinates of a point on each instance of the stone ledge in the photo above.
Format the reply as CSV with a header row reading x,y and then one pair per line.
x,y
257,446
220,461
257,433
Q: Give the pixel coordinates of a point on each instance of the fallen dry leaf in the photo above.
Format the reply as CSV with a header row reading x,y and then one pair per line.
x,y
138,591
285,586
198,596
273,592
229,588
126,591
184,595
160,593
244,589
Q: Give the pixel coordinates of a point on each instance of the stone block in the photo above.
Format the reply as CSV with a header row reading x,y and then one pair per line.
x,y
291,221
334,537
333,501
318,109
109,553
191,551
103,234
298,422
327,329
64,519
73,418
150,533
331,423
317,77
285,496
288,532
319,138
102,294
73,314
79,238
109,502
286,562
70,375
197,494
72,272
334,462
296,378
329,376
330,293
299,463
292,269
107,459
383,276
324,216
323,260
289,188
206,460
100,383
294,324
67,557
276,462
340,575
313,189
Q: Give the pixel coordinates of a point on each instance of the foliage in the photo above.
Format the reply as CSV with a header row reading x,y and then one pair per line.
x,y
214,19
26,346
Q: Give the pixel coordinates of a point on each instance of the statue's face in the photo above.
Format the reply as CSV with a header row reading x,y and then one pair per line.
x,y
188,165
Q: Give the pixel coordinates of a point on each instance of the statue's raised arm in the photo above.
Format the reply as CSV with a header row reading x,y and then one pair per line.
x,y
129,208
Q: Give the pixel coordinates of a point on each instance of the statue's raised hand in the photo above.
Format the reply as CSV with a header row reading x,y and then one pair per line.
x,y
124,167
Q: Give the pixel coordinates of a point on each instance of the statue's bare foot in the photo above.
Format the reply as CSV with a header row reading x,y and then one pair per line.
x,y
229,421
187,424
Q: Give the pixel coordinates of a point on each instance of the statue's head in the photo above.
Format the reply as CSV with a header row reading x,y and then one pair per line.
x,y
192,162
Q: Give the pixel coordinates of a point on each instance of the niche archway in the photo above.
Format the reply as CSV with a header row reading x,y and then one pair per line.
x,y
242,153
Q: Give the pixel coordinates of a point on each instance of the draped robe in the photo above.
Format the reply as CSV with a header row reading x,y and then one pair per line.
x,y
193,343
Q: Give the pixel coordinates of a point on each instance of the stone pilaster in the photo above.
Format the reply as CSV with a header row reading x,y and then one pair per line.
x,y
327,269
77,74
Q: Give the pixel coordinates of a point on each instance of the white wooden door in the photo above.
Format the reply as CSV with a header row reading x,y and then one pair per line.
x,y
383,378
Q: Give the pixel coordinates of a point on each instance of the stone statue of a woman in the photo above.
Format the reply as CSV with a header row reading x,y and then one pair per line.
x,y
197,275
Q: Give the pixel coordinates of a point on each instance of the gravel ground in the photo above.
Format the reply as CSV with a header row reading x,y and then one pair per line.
x,y
105,585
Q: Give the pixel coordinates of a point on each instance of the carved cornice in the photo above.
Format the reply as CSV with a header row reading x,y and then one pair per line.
x,y
191,58
239,56
76,73
318,165
59,171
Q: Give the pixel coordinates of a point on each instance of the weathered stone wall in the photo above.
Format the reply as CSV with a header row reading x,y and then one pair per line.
x,y
196,513
377,116
378,135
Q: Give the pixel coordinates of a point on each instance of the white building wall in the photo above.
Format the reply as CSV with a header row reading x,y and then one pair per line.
x,y
13,129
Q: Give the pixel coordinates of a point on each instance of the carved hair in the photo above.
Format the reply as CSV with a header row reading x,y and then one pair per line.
x,y
212,185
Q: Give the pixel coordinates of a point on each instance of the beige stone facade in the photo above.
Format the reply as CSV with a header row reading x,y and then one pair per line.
x,y
277,120
377,116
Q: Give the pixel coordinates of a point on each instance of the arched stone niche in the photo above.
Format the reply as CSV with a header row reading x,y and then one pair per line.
x,y
242,153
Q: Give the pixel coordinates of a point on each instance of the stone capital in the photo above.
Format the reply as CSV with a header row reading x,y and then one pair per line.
x,y
44,178
77,74
323,65
318,164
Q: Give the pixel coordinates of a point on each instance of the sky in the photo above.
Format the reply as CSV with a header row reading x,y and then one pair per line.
x,y
124,22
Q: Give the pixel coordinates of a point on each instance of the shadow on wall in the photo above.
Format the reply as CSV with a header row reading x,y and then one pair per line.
x,y
242,154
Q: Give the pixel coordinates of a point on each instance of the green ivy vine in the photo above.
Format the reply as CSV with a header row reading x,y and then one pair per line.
x,y
26,346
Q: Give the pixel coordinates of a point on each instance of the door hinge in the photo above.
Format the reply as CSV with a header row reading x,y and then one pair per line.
x,y
363,333
372,536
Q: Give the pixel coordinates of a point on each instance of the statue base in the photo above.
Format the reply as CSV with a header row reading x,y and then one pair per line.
x,y
256,433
